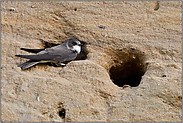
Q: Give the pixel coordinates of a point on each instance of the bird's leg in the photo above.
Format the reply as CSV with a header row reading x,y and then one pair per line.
x,y
59,64
51,63
62,64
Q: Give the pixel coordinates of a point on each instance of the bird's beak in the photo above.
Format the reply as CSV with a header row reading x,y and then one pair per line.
x,y
80,44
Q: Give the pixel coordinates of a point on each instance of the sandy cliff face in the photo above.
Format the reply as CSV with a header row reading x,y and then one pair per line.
x,y
128,71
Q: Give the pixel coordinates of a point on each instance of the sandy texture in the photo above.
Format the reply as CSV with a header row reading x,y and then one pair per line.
x,y
130,69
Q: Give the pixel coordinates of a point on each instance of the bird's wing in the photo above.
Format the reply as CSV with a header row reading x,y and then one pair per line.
x,y
32,50
56,53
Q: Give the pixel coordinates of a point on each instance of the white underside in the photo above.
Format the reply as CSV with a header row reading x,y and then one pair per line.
x,y
77,48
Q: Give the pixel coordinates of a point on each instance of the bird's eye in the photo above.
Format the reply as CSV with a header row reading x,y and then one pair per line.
x,y
74,43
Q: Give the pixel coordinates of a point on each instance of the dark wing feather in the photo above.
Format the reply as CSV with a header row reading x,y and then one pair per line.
x,y
57,53
32,50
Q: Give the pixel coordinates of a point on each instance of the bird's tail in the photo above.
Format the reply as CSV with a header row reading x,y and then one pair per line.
x,y
27,64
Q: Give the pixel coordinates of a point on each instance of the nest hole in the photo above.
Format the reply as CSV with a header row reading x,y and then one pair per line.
x,y
61,110
81,56
128,70
62,113
84,52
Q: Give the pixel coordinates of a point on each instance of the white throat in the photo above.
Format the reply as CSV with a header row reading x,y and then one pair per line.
x,y
77,48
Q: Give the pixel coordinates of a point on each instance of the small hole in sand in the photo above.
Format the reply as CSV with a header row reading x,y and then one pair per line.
x,y
61,113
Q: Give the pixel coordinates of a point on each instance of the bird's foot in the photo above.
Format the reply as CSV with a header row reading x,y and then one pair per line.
x,y
62,64
59,64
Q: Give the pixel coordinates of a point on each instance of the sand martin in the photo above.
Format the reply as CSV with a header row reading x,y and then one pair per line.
x,y
59,54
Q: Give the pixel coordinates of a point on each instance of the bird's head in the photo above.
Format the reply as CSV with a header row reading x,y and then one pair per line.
x,y
74,45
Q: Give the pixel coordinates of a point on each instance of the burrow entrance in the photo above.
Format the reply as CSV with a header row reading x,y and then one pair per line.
x,y
129,67
81,56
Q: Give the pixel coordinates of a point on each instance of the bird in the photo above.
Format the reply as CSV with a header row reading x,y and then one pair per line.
x,y
60,54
